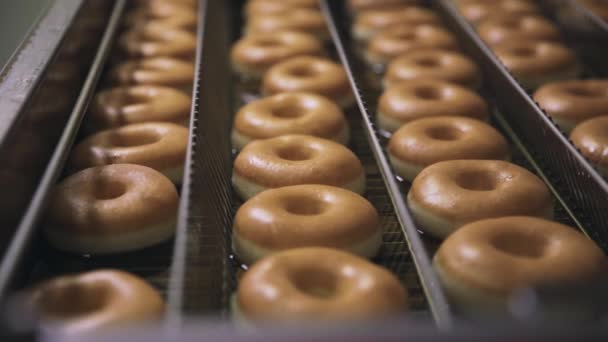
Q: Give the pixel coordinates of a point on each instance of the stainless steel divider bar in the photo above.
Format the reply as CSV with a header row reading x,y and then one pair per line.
x,y
437,301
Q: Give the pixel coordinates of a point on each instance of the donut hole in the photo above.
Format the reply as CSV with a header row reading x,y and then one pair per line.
x,y
586,92
445,133
428,62
477,181
428,93
523,51
107,190
72,300
315,282
295,153
267,43
303,71
520,245
288,111
404,35
305,206
132,140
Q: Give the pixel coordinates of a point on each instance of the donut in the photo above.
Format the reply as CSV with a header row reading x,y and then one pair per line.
x,y
296,19
158,145
111,209
423,142
265,7
591,138
158,40
476,11
301,285
433,64
572,102
484,263
309,74
289,113
85,303
498,29
415,99
357,6
172,14
305,216
159,71
254,54
535,63
370,22
294,160
450,194
121,106
399,39
598,7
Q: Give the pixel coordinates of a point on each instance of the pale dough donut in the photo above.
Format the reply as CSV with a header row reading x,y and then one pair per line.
x,y
477,10
433,64
293,160
263,7
254,54
85,303
121,106
591,137
112,209
498,29
424,142
423,98
300,285
370,22
296,19
310,74
305,216
572,102
158,40
536,63
485,262
450,194
161,146
158,71
289,113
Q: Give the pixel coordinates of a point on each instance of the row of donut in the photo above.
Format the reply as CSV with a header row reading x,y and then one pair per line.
x,y
121,195
493,215
304,223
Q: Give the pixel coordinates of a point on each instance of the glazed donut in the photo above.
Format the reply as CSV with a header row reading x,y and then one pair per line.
x,y
535,63
158,40
476,11
399,39
289,113
297,19
254,54
159,71
415,99
590,137
309,74
168,13
358,6
498,29
423,142
112,209
450,194
370,22
81,304
121,106
305,216
161,146
572,102
264,7
293,160
484,263
435,65
301,285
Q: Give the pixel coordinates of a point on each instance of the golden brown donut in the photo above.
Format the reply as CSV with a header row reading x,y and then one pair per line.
x,y
81,304
572,102
158,40
172,14
112,209
159,71
477,10
433,64
357,6
159,145
485,262
121,106
535,63
300,285
289,113
450,194
293,160
500,28
370,22
305,216
296,19
309,74
264,7
427,141
254,54
415,99
399,39
591,137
